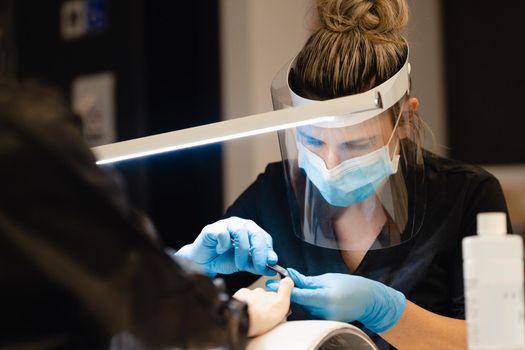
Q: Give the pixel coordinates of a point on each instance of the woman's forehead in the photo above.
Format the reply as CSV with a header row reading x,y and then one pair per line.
x,y
373,126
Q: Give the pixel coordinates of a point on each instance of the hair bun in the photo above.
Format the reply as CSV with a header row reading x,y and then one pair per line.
x,y
373,16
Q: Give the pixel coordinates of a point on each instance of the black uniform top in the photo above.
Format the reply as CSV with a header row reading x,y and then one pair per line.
x,y
426,268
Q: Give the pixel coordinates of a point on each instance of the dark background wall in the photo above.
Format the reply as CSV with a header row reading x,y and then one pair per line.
x,y
165,57
484,60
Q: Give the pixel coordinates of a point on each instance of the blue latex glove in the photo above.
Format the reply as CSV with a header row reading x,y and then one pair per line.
x,y
232,245
347,298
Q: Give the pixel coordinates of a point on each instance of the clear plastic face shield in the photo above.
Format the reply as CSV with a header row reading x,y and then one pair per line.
x,y
347,179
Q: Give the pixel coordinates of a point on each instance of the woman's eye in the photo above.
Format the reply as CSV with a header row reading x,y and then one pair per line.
x,y
361,146
310,141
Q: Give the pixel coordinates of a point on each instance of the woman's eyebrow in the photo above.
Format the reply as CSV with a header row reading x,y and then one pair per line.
x,y
303,134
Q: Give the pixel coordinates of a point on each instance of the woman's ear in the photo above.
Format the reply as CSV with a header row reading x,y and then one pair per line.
x,y
410,106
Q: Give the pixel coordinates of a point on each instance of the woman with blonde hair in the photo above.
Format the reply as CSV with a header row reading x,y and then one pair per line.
x,y
373,221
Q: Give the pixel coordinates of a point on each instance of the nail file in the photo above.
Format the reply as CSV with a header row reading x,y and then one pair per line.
x,y
277,268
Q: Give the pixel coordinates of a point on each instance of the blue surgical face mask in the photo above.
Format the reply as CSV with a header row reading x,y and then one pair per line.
x,y
351,181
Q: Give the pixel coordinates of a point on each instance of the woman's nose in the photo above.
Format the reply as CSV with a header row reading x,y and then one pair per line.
x,y
333,159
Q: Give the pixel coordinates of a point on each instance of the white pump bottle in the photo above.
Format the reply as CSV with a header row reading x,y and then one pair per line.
x,y
493,275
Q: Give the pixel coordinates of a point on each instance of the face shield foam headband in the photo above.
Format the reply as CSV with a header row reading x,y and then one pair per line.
x,y
386,95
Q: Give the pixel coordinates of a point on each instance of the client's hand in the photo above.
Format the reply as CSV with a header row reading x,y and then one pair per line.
x,y
266,309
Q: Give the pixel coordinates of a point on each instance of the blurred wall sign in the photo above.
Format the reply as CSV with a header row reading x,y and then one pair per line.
x,y
79,18
93,98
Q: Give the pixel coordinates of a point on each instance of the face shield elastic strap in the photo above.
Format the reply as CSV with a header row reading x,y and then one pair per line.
x,y
395,156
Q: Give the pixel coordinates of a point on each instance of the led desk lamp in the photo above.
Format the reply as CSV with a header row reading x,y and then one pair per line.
x,y
371,102
324,111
